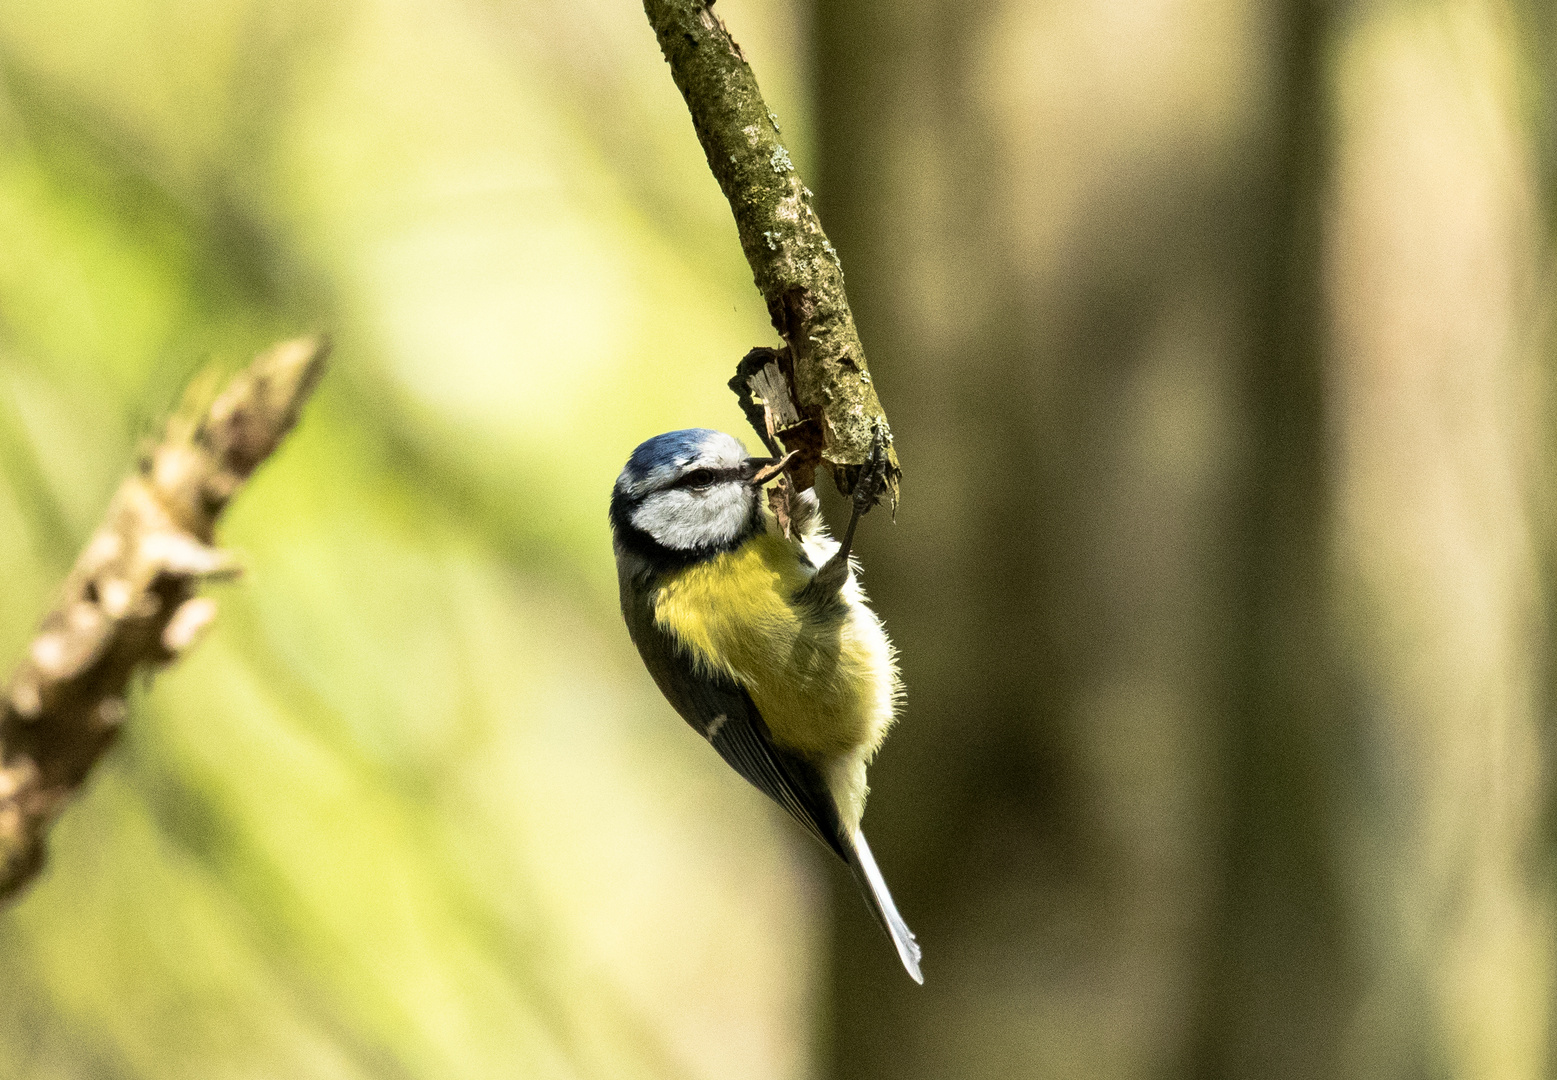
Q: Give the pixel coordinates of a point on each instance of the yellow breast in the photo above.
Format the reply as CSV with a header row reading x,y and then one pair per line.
x,y
823,681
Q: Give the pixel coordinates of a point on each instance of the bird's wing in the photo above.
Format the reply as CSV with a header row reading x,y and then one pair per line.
x,y
721,710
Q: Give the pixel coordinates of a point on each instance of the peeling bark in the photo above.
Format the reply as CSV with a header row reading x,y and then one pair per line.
x,y
129,601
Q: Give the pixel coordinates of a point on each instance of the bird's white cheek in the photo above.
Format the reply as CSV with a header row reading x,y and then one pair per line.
x,y
683,520
666,517
729,510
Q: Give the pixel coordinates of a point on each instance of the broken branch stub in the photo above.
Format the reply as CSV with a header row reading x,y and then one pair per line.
x,y
129,600
794,265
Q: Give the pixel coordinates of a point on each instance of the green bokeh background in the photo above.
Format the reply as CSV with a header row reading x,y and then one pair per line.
x,y
1216,337
413,809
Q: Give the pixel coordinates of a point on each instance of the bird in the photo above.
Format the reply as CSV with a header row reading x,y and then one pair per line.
x,y
760,637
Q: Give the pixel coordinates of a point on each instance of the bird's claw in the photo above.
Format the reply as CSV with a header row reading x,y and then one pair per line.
x,y
873,474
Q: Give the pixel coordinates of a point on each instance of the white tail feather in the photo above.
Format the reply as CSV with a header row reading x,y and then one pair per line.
x,y
881,902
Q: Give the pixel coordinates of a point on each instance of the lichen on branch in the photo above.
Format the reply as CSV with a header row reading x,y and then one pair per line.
x,y
795,267
129,602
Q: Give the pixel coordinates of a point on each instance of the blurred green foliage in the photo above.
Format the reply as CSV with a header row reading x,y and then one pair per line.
x,y
413,809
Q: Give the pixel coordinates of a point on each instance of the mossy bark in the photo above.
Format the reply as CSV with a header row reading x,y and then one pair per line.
x,y
795,267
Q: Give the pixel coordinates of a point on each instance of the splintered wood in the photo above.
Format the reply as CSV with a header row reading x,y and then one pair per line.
x,y
771,388
763,391
129,601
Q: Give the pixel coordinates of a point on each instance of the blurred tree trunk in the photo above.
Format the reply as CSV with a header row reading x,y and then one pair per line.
x,y
1281,974
1439,292
1202,769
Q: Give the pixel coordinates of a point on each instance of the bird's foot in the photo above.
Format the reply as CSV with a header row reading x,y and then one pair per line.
x,y
873,475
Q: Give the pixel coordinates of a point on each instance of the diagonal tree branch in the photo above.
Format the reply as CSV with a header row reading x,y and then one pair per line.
x,y
795,266
129,601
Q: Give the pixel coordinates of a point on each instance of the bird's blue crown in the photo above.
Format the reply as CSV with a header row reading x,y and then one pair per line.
x,y
674,448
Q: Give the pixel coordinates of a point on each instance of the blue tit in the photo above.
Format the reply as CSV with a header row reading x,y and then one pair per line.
x,y
761,641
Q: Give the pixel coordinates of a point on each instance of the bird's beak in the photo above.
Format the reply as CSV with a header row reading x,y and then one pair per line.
x,y
759,470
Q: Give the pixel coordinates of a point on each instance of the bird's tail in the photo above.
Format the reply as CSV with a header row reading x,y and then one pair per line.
x,y
863,863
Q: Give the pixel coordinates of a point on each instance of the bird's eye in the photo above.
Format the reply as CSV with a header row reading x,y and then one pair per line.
x,y
700,478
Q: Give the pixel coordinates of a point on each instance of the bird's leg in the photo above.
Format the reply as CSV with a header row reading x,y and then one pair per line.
x,y
867,489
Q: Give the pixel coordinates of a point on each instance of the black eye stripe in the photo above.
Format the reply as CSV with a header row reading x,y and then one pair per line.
x,y
699,478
